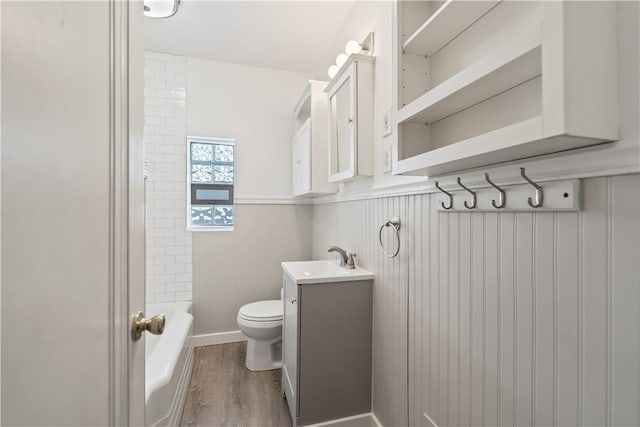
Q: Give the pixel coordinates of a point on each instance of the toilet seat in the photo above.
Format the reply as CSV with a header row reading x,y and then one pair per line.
x,y
262,311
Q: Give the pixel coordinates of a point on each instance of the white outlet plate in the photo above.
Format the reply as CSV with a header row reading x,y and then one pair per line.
x,y
386,159
386,122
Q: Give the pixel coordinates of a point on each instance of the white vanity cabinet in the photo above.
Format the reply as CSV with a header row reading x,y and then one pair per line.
x,y
351,119
290,347
326,367
485,82
310,143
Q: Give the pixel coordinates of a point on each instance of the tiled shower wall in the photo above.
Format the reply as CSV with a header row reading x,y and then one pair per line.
x,y
526,318
169,267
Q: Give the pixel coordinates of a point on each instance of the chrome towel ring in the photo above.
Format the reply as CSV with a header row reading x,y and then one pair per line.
x,y
395,224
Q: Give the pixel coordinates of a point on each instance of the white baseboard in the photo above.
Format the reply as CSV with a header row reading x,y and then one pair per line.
x,y
341,420
433,423
376,420
218,338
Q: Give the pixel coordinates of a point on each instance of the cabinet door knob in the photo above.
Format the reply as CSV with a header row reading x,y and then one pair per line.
x,y
293,300
350,120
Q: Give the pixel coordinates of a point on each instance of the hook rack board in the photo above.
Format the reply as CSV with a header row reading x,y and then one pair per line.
x,y
558,196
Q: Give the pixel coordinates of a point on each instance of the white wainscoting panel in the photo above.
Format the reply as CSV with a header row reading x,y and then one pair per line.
x,y
527,318
354,226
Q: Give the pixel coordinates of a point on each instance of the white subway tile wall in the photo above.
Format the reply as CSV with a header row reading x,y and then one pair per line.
x,y
169,271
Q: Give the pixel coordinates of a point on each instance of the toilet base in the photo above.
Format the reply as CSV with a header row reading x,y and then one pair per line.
x,y
264,355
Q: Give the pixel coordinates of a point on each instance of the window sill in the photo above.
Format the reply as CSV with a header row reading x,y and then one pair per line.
x,y
209,228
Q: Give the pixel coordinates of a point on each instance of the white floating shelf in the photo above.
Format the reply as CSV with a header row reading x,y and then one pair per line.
x,y
498,71
489,148
527,92
558,196
452,18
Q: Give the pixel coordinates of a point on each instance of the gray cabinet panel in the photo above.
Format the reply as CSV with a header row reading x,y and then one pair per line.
x,y
327,350
335,350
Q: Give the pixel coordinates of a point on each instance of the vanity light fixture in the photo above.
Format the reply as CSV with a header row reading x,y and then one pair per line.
x,y
160,8
341,59
350,48
332,71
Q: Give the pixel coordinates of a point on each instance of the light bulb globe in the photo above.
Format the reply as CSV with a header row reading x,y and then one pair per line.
x,y
341,59
352,47
332,71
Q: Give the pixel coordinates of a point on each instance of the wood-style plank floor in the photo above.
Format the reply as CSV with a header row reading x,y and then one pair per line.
x,y
223,392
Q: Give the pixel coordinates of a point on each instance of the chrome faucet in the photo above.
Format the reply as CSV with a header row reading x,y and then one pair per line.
x,y
346,261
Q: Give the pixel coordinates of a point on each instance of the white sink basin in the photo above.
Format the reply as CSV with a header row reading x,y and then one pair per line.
x,y
305,272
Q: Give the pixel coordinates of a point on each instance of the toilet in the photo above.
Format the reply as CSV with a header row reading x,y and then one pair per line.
x,y
261,322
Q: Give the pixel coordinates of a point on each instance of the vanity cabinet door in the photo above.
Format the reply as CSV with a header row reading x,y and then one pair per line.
x,y
290,345
335,345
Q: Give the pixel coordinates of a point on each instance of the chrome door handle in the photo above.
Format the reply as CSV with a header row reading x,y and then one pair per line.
x,y
139,324
293,300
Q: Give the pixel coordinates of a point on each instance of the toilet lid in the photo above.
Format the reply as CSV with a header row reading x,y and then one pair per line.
x,y
262,311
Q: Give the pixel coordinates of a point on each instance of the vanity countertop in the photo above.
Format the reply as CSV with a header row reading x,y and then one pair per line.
x,y
313,272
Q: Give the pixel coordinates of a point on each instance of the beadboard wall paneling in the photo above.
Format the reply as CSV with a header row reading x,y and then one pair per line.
x,y
354,226
233,268
501,318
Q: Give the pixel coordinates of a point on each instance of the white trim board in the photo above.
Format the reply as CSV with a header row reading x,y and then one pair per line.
x,y
589,162
429,420
376,420
345,419
218,338
0,206
270,201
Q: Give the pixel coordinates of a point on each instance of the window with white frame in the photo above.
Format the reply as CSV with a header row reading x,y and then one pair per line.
x,y
210,170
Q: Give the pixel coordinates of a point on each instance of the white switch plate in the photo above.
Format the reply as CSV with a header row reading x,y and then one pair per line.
x,y
386,122
386,159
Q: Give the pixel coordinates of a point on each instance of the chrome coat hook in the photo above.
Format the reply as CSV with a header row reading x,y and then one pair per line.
x,y
503,196
448,194
539,192
473,196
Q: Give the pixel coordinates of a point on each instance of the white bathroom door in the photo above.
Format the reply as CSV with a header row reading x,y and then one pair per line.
x,y
136,224
72,203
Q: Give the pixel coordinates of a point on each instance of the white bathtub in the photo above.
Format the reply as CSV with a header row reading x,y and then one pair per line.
x,y
169,360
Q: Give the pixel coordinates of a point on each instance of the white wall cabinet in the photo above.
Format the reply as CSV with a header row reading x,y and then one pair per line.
x,y
302,161
351,119
310,165
486,82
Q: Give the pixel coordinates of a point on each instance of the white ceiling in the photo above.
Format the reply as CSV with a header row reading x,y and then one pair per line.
x,y
290,35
